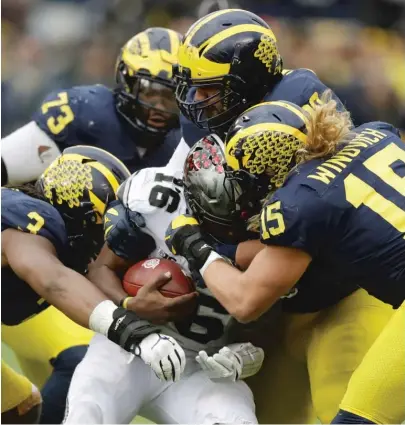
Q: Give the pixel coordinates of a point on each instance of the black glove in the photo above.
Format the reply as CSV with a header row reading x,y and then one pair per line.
x,y
123,234
183,237
128,330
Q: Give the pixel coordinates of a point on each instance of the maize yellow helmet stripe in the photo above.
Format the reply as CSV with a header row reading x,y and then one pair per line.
x,y
174,42
106,173
257,128
204,21
238,29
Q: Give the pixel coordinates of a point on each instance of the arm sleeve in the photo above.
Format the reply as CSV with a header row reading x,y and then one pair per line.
x,y
26,153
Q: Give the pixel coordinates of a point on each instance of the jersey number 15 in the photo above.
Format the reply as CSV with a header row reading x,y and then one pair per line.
x,y
358,192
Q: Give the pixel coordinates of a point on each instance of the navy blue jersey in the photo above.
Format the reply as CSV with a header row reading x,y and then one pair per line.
x,y
86,115
26,214
348,212
299,86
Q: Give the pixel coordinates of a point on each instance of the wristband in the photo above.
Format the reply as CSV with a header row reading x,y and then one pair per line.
x,y
124,302
214,256
102,316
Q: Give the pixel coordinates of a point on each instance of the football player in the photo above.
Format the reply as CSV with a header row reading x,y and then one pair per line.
x,y
106,387
229,61
333,196
50,231
137,121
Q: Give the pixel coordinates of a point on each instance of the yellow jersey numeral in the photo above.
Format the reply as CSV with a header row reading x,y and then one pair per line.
x,y
35,227
272,213
360,193
56,125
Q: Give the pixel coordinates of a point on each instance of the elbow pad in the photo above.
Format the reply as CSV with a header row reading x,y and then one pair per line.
x,y
26,153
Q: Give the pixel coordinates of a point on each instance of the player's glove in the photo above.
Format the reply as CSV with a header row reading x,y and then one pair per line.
x,y
236,361
162,353
183,237
123,234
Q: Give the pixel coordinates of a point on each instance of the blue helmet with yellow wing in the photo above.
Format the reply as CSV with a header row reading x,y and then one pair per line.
x,y
145,87
227,61
80,184
263,145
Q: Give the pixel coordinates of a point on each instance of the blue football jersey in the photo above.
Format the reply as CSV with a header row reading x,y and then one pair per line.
x,y
348,212
299,86
26,214
86,115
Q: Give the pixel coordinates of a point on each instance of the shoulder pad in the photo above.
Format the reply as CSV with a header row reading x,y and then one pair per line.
x,y
379,125
123,233
302,87
66,116
30,215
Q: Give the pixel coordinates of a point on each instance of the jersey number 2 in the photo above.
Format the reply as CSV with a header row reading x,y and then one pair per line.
x,y
358,192
57,124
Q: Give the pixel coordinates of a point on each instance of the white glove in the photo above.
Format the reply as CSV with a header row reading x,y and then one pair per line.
x,y
164,355
237,361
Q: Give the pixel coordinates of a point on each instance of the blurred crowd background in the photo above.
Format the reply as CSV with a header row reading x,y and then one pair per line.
x,y
355,46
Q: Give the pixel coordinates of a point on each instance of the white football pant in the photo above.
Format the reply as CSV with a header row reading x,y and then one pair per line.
x,y
108,388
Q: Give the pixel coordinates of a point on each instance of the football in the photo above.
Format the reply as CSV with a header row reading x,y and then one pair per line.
x,y
144,271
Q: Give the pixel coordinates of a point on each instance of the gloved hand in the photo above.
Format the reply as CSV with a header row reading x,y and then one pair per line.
x,y
236,361
164,355
161,352
124,235
183,237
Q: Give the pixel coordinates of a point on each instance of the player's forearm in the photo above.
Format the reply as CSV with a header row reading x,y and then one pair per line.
x,y
247,295
246,252
228,286
71,293
107,281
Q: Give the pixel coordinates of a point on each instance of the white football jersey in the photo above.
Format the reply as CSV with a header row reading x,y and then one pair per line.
x,y
157,194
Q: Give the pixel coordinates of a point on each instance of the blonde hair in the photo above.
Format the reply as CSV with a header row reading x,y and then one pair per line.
x,y
327,130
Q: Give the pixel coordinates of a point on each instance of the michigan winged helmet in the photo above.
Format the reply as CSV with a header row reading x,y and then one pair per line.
x,y
80,184
232,57
263,144
145,86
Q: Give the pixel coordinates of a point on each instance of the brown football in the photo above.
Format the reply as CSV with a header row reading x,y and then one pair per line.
x,y
144,271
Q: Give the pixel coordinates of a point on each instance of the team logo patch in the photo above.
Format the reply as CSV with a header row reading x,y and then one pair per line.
x,y
151,264
42,149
